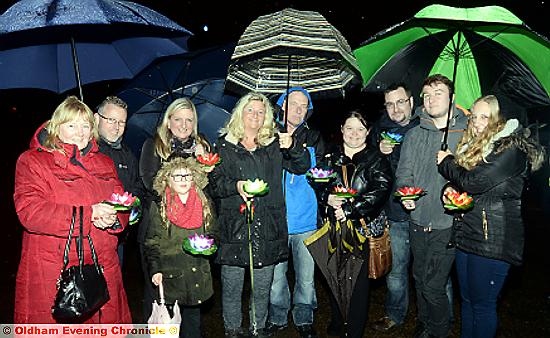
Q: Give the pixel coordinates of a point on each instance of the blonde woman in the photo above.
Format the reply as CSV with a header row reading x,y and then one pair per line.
x,y
182,211
177,135
250,149
493,160
63,168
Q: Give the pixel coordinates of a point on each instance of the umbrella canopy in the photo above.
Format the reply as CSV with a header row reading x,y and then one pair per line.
x,y
292,48
483,50
59,45
168,74
212,103
339,266
161,315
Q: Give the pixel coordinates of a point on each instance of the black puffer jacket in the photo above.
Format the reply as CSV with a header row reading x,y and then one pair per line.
x,y
369,173
269,231
493,228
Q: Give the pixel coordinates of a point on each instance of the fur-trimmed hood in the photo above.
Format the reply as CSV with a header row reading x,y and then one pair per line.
x,y
514,135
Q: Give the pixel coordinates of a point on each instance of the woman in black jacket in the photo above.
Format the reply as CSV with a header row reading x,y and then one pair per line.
x,y
250,149
364,169
493,160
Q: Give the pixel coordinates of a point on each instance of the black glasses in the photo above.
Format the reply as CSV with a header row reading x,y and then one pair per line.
x,y
111,120
182,177
399,104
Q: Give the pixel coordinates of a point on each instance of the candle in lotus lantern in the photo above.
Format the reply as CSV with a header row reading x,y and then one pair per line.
x,y
126,202
458,201
199,245
392,138
409,193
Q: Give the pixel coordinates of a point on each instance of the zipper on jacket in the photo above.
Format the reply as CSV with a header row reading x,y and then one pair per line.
x,y
485,226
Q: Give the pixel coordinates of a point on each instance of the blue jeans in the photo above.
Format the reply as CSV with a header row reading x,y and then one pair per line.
x,y
397,280
304,298
232,278
480,280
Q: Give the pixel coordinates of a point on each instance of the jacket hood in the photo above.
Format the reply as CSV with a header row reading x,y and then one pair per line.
x,y
514,135
458,119
40,135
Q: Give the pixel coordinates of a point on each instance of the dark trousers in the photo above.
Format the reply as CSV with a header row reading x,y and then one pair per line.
x,y
432,263
358,309
149,291
190,322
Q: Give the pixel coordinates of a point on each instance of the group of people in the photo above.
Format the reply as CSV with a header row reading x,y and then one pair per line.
x,y
78,158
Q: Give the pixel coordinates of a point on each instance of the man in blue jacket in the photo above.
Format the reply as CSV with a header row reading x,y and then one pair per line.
x,y
302,218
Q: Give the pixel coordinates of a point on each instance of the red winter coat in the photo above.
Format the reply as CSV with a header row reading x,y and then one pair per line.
x,y
47,185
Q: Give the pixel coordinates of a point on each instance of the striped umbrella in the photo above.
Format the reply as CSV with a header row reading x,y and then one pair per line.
x,y
292,48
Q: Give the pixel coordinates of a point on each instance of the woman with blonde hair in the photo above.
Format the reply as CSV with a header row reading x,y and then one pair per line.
x,y
183,210
250,149
493,161
176,136
62,170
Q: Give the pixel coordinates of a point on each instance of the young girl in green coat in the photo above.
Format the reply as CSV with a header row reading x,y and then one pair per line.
x,y
182,211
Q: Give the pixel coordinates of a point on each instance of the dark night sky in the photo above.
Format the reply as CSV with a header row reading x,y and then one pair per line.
x,y
227,20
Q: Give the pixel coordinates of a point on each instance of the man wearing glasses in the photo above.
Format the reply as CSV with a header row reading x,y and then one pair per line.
x,y
396,120
110,119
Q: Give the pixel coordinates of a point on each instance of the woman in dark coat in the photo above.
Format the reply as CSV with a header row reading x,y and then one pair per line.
x,y
176,135
493,160
184,210
364,169
250,149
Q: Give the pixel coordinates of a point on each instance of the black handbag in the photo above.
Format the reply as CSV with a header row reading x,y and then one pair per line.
x,y
81,289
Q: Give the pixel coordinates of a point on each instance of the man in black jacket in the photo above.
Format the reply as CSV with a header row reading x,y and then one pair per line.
x,y
111,119
397,120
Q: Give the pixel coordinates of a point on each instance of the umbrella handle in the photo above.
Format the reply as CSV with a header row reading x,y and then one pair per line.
x,y
161,293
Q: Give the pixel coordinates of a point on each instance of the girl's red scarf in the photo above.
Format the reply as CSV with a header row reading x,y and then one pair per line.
x,y
188,215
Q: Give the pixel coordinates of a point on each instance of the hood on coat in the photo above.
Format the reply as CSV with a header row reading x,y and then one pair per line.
x,y
40,135
514,135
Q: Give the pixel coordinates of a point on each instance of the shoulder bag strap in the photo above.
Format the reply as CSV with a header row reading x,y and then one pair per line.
x,y
92,248
68,244
345,176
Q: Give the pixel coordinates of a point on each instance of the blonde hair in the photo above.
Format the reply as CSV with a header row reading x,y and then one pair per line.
x,y
70,109
200,180
235,127
470,148
164,135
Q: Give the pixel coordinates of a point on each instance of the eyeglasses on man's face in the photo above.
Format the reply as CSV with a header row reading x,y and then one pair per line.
x,y
111,120
182,177
401,103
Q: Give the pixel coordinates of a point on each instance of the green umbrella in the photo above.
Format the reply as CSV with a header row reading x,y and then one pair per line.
x,y
483,50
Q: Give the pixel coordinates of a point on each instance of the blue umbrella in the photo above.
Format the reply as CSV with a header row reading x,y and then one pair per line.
x,y
213,108
59,45
165,75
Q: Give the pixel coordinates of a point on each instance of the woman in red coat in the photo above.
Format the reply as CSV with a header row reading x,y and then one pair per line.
x,y
63,168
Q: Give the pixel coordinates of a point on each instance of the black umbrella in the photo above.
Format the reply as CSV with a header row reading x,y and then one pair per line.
x,y
163,77
59,45
213,108
338,262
